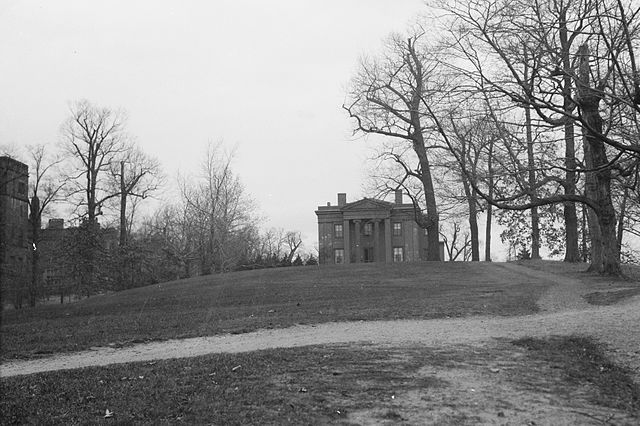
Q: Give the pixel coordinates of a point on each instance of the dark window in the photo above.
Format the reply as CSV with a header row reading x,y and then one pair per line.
x,y
368,228
338,256
397,229
337,230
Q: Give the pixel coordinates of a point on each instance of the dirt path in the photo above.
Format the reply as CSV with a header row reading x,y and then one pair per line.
x,y
563,312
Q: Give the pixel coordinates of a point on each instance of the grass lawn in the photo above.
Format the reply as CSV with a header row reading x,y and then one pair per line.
x,y
560,380
245,301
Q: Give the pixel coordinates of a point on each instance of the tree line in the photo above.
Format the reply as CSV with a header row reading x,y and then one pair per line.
x,y
525,110
104,178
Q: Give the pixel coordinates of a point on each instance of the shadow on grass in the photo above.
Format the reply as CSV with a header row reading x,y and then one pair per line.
x,y
529,380
611,297
580,361
312,385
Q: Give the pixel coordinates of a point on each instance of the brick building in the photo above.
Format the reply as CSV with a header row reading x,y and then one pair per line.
x,y
58,254
370,230
14,226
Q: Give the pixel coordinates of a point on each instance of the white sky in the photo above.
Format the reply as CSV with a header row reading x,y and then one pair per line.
x,y
267,77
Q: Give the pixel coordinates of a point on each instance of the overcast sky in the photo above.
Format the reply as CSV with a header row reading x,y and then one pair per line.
x,y
267,77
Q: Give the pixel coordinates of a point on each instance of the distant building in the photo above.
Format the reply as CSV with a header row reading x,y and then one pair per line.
x,y
52,255
58,245
370,230
14,226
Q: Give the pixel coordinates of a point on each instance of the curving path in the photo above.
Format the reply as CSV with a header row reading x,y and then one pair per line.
x,y
563,312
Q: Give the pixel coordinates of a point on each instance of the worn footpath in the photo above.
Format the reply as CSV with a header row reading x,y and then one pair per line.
x,y
562,312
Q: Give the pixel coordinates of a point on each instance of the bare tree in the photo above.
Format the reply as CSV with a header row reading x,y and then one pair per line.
x,y
294,241
94,138
171,232
220,208
599,85
472,136
456,243
46,188
387,97
137,176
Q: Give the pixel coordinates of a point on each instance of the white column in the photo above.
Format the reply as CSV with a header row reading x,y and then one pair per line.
x,y
357,245
377,256
388,252
347,242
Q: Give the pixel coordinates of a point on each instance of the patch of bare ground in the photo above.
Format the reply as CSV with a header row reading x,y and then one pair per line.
x,y
499,381
502,383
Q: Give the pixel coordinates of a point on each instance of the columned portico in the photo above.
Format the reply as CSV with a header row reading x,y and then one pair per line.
x,y
369,230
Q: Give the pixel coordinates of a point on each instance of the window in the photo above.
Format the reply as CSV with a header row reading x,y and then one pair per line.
x,y
397,229
22,188
337,230
368,228
338,256
398,254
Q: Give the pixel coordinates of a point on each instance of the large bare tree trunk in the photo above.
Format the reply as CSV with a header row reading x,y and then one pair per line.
x,y
433,218
589,99
433,221
623,212
590,188
473,219
471,197
570,215
473,227
123,207
535,220
487,233
585,232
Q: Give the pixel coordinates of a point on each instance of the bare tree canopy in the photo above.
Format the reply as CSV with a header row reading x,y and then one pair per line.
x,y
93,137
388,97
571,64
136,176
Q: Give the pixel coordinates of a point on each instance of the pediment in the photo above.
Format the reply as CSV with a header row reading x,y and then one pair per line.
x,y
368,204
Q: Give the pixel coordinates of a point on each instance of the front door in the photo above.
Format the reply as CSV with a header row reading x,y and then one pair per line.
x,y
368,254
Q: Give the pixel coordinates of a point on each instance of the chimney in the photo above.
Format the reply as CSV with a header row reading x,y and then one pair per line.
x,y
398,196
342,199
56,223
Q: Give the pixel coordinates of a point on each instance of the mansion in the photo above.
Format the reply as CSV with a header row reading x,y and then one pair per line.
x,y
370,230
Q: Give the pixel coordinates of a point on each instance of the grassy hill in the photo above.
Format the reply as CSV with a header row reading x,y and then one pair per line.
x,y
245,301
